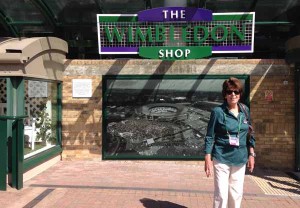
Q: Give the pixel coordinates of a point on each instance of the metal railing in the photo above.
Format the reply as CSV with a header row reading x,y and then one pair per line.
x,y
11,151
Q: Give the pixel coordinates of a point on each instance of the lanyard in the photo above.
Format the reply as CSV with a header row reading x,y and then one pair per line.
x,y
239,127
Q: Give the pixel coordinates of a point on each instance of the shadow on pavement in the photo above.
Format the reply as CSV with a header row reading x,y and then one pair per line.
x,y
150,203
274,182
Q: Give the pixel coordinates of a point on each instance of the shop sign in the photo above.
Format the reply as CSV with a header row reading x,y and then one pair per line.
x,y
175,33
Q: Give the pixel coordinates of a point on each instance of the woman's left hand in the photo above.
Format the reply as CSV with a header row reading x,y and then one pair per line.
x,y
250,164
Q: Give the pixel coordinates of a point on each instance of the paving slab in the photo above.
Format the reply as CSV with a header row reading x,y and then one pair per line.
x,y
148,184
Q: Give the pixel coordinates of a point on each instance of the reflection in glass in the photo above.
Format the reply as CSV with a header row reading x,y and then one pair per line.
x,y
41,108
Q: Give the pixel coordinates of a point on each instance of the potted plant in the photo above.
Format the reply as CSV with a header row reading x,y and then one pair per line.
x,y
44,126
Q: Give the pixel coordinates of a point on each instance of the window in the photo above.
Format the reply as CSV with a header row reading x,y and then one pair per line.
x,y
40,128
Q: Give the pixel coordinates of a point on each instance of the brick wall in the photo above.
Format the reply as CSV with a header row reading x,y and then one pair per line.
x,y
82,121
273,120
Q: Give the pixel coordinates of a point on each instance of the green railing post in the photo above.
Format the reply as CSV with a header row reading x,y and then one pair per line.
x,y
3,153
20,153
17,153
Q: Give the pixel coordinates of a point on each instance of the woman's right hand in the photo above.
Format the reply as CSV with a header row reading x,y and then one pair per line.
x,y
208,166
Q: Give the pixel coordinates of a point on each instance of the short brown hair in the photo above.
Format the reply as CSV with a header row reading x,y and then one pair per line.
x,y
232,84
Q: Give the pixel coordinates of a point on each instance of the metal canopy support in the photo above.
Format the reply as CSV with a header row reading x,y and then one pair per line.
x,y
297,115
148,4
98,4
45,11
202,3
4,20
253,5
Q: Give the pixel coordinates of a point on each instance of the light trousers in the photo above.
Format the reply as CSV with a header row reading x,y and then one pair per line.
x,y
229,183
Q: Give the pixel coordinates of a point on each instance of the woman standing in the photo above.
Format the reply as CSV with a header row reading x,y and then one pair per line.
x,y
227,148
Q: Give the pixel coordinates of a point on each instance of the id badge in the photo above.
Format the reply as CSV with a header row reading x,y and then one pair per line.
x,y
234,141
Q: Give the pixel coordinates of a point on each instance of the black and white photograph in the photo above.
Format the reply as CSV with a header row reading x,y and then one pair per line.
x,y
158,118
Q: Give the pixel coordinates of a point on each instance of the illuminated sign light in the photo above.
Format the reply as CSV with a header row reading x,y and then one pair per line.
x,y
175,33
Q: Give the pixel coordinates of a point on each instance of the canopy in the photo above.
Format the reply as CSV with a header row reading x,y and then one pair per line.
x,y
75,20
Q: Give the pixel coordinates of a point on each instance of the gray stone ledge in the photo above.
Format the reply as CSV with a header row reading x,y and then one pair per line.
x,y
148,67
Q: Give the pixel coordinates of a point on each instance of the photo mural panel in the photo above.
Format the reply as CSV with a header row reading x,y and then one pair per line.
x,y
158,117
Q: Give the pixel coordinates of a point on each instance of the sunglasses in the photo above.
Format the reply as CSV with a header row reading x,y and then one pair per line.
x,y
236,92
